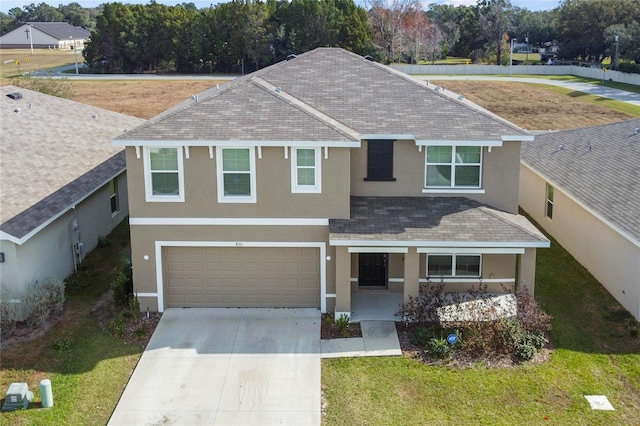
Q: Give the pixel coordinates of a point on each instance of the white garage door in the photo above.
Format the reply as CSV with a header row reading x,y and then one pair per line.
x,y
217,277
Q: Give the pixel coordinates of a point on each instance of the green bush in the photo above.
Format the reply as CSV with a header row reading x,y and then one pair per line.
x,y
421,335
629,67
343,324
118,326
439,348
9,312
43,300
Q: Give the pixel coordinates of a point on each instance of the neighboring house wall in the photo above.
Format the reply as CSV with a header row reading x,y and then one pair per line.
x,y
49,254
500,174
612,259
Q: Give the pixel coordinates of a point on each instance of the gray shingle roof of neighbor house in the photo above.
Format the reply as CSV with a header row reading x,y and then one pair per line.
x,y
61,30
324,94
53,153
422,220
599,166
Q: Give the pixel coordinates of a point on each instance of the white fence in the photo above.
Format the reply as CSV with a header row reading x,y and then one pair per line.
x,y
596,73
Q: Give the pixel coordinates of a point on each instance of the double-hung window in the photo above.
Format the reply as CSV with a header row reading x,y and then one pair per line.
x,y
457,167
549,207
113,195
236,175
305,170
164,176
453,265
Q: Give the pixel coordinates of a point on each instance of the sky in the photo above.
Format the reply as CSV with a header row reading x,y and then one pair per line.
x,y
6,5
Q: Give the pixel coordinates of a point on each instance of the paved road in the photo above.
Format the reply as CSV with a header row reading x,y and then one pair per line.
x,y
592,89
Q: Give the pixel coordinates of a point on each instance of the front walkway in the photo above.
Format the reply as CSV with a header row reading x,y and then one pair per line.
x,y
379,338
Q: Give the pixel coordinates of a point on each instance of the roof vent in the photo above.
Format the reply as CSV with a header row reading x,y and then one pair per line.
x,y
637,130
15,95
17,110
94,116
291,56
368,57
278,89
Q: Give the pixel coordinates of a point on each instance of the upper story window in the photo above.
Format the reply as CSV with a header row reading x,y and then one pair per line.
x,y
453,265
305,170
453,167
164,174
113,195
380,160
549,206
236,175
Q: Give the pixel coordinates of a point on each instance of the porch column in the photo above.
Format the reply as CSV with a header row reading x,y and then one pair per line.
x,y
527,276
343,281
411,273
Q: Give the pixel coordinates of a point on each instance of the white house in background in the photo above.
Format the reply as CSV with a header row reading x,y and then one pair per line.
x,y
45,35
62,184
582,187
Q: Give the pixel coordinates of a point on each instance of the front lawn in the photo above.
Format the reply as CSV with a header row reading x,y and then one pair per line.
x,y
88,367
594,355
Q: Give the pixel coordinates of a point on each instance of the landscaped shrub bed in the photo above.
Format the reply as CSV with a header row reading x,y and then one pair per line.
x,y
489,336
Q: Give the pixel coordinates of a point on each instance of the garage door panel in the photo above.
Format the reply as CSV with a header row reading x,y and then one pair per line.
x,y
242,277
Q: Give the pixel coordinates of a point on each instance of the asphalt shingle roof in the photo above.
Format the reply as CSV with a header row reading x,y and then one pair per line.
x,y
340,90
53,152
599,166
428,219
61,30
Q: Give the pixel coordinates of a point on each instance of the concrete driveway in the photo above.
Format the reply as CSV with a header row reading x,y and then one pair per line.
x,y
227,367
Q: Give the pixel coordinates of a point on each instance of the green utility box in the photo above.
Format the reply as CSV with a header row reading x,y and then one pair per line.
x,y
17,398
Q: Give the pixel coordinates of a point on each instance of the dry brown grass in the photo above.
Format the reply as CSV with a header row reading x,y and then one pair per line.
x,y
534,107
143,99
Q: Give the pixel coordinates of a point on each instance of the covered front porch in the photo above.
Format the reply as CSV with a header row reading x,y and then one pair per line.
x,y
394,244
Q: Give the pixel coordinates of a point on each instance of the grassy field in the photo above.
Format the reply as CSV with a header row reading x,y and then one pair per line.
x,y
15,62
541,107
594,355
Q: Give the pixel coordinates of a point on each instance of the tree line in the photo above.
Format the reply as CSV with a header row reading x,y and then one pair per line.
x,y
244,35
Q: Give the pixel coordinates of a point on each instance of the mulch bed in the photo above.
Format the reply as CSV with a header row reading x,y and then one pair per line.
x,y
330,330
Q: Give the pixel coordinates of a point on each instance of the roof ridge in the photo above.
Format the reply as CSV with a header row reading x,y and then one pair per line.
x,y
305,108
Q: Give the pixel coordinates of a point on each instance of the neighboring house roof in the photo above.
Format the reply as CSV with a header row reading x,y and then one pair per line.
x,y
598,166
422,220
337,93
60,30
54,153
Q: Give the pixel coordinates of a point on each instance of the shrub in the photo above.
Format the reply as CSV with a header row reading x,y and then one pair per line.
x,y
531,316
43,300
122,287
343,324
629,67
62,345
439,348
420,336
9,312
118,326
103,241
78,280
424,307
520,341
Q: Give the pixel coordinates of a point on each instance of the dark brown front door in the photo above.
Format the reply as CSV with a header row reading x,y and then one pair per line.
x,y
372,270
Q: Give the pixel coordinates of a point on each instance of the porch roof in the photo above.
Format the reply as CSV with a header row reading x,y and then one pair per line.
x,y
432,221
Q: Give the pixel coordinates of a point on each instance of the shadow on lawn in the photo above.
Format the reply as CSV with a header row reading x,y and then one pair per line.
x,y
586,317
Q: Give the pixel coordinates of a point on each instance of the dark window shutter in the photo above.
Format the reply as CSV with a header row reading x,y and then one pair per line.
x,y
380,160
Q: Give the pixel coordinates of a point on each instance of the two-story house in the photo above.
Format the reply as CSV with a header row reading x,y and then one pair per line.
x,y
319,177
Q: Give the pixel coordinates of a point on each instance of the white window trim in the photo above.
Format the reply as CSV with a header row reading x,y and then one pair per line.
x,y
548,201
453,187
309,189
115,195
252,177
148,189
453,266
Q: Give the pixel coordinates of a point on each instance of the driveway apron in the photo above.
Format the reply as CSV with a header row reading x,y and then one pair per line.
x,y
227,367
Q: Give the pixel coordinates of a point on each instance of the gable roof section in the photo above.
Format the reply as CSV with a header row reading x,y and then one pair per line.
x,y
599,166
60,30
54,153
253,111
437,221
325,94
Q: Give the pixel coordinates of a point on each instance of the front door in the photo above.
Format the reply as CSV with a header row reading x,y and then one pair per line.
x,y
372,270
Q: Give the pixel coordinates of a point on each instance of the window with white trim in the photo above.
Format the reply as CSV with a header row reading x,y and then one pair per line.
x,y
164,174
113,195
236,175
453,265
549,205
305,170
453,167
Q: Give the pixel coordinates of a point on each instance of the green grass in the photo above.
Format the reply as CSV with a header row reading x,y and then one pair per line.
x,y
613,104
87,366
593,355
